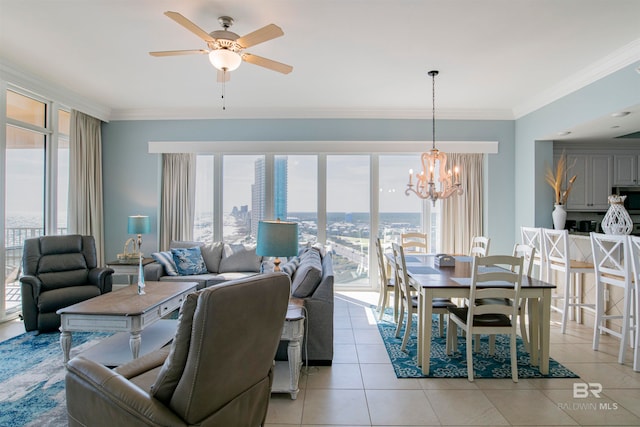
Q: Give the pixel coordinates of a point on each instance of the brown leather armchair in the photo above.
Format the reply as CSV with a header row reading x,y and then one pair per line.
x,y
218,370
59,271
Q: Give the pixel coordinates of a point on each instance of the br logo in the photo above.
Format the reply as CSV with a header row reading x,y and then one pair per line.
x,y
584,390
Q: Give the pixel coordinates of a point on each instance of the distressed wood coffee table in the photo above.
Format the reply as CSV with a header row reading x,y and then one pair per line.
x,y
122,311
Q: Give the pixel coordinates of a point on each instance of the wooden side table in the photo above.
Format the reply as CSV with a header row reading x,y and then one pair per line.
x,y
287,373
128,267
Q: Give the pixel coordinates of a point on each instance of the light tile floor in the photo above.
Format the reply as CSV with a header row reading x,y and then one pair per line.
x,y
361,389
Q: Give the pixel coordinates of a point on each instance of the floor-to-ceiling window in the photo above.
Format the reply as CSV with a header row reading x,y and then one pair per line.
x,y
243,193
204,221
398,213
36,178
349,217
336,200
62,170
295,189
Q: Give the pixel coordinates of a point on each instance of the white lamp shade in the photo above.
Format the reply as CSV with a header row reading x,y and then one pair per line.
x,y
225,59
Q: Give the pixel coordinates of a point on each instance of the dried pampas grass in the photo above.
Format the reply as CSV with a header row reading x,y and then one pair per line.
x,y
555,180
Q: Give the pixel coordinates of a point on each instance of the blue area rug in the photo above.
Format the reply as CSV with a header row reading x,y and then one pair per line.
x,y
32,378
455,366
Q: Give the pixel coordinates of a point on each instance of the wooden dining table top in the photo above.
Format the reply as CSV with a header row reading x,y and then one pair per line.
x,y
422,269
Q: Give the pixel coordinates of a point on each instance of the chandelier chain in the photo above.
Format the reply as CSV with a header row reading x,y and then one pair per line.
x,y
433,104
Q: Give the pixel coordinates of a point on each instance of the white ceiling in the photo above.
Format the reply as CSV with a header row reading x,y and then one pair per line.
x,y
352,58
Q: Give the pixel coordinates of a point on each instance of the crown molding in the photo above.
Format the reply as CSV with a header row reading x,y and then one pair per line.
x,y
303,147
611,63
302,113
50,91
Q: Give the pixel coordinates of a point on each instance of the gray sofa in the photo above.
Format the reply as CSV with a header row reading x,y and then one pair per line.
x,y
311,275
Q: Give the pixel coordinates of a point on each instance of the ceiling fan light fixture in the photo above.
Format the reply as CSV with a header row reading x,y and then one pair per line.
x,y
225,59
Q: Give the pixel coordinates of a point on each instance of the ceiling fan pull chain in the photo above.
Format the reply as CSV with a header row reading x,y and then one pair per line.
x,y
224,82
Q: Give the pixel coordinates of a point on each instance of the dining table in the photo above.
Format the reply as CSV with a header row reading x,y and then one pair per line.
x,y
432,281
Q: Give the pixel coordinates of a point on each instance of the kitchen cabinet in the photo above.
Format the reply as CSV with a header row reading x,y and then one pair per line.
x,y
625,167
592,187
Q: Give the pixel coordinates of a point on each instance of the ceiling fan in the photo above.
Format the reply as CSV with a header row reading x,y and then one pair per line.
x,y
226,48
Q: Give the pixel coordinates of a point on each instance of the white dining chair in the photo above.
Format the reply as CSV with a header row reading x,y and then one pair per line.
x,y
409,302
387,285
557,257
634,253
532,236
613,267
527,253
414,242
479,246
493,316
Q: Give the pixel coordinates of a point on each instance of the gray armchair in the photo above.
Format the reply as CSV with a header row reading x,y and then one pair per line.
x,y
218,370
59,271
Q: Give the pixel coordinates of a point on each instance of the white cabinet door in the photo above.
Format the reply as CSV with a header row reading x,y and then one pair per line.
x,y
593,184
601,182
578,197
625,167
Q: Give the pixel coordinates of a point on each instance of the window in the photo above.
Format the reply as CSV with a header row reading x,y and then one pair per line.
x,y
348,217
36,180
244,200
64,118
295,188
398,213
203,225
329,195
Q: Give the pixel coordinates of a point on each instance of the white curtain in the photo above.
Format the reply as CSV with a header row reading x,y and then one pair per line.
x,y
178,198
462,215
85,180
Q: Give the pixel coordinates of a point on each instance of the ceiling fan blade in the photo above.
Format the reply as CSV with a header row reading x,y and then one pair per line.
x,y
190,26
179,52
267,63
223,76
261,35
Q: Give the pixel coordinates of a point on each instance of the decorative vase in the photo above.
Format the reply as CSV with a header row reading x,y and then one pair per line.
x,y
559,216
617,219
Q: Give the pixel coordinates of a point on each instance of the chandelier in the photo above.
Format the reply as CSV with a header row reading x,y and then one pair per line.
x,y
432,162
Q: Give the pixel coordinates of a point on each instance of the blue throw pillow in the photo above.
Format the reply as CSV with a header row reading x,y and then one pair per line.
x,y
166,260
189,261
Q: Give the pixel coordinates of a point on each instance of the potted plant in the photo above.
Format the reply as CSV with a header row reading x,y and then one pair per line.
x,y
555,180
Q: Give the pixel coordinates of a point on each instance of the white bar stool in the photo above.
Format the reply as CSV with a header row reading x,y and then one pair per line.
x,y
634,253
558,258
612,265
532,236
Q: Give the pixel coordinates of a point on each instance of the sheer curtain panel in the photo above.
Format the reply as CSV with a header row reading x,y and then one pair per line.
x,y
178,198
85,179
462,215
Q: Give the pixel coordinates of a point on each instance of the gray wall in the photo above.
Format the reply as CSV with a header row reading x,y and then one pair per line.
x,y
132,175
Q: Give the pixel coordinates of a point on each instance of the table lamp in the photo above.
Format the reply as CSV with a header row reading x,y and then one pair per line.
x,y
276,239
139,224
